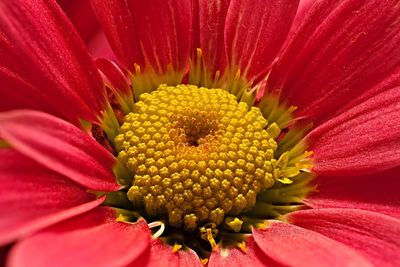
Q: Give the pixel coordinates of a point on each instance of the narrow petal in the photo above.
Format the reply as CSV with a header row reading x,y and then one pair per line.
x,y
164,28
162,255
355,192
59,146
342,49
291,245
373,235
208,32
255,31
364,139
92,239
33,197
113,73
118,24
227,257
44,63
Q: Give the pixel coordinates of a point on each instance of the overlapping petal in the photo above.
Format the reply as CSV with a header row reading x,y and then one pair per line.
x,y
377,192
252,256
342,49
113,74
373,235
44,64
33,197
59,146
92,239
254,33
208,33
118,24
162,255
290,245
154,34
365,138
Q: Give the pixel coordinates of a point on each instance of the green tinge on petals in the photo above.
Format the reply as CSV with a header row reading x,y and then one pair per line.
x,y
4,144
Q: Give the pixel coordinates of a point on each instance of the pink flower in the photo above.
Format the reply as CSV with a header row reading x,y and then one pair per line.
x,y
72,184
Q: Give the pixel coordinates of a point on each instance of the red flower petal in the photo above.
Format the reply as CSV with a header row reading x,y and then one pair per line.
x,y
117,22
44,63
164,29
162,26
373,235
377,192
113,73
365,138
342,49
92,239
162,255
208,32
255,31
290,245
59,146
228,257
33,197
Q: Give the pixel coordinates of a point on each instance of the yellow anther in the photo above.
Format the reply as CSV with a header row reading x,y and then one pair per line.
x,y
176,247
211,240
122,218
242,246
204,261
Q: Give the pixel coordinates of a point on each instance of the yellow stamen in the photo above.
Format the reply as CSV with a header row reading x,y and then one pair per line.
x,y
242,247
211,240
176,247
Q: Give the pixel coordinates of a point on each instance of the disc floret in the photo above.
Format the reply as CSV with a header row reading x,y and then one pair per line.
x,y
197,156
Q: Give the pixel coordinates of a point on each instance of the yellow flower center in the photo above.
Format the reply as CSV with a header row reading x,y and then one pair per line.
x,y
197,156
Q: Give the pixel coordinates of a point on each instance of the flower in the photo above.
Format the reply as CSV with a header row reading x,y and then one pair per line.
x,y
76,189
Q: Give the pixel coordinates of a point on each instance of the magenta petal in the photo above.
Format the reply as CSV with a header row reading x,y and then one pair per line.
x,y
227,257
59,146
255,31
365,138
44,64
93,239
342,49
377,192
291,245
373,235
33,197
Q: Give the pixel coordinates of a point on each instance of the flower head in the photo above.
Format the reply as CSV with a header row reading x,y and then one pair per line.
x,y
228,132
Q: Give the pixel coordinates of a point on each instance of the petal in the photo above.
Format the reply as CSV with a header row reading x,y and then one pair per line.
x,y
254,33
342,49
162,255
208,32
227,257
114,75
290,245
373,235
377,192
92,239
365,138
162,26
33,197
44,63
117,22
59,146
